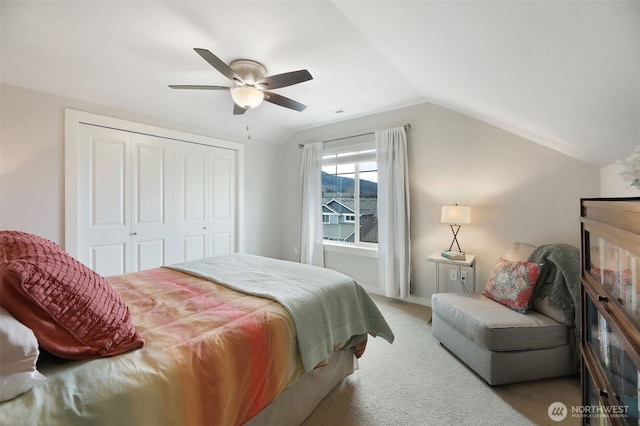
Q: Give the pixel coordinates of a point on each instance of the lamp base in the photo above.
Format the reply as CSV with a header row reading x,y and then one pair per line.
x,y
455,237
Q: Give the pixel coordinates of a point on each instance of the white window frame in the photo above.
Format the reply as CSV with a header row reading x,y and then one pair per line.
x,y
352,153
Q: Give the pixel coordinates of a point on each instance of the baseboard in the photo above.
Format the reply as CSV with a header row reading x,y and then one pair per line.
x,y
418,300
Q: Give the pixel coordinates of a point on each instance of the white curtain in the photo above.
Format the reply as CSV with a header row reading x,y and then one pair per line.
x,y
394,262
311,250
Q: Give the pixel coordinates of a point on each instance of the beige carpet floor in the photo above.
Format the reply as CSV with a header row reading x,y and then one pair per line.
x,y
416,381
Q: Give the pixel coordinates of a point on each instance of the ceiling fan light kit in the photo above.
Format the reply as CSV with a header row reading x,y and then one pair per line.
x,y
247,97
251,83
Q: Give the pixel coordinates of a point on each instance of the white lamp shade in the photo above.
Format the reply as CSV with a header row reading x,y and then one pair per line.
x,y
247,97
457,215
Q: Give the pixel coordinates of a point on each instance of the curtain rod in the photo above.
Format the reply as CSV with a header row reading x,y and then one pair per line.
x,y
407,127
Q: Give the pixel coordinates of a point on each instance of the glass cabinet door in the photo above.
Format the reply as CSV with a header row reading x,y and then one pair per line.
x,y
620,371
616,269
593,400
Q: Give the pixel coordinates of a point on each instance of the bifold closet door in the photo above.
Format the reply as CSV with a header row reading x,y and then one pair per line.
x,y
125,203
206,191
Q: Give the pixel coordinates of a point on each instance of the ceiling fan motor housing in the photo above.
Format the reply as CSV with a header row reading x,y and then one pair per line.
x,y
250,71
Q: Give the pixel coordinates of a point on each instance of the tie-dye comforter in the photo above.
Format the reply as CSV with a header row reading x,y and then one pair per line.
x,y
212,356
327,307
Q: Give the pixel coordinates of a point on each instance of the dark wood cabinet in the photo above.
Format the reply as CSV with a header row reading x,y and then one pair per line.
x,y
610,340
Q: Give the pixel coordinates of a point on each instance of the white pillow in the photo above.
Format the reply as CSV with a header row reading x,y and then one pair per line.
x,y
520,251
18,356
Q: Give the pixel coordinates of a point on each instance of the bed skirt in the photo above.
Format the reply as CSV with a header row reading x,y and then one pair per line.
x,y
298,401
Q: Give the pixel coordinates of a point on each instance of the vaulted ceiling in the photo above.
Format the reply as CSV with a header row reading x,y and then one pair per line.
x,y
565,74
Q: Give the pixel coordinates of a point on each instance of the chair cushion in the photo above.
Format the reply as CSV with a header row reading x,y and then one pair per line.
x,y
495,326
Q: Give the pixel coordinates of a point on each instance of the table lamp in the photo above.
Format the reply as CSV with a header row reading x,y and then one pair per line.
x,y
455,216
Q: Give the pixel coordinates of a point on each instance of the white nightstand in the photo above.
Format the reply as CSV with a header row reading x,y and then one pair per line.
x,y
469,262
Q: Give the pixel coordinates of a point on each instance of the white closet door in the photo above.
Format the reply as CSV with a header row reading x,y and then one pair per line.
x,y
136,201
152,201
125,200
206,191
192,188
222,218
104,200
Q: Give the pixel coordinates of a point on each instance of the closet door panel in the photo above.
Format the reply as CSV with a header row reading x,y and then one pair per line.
x,y
108,192
149,254
109,259
222,188
193,247
104,199
221,244
223,201
195,186
150,186
152,204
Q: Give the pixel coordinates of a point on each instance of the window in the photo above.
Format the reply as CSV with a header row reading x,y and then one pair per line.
x,y
350,193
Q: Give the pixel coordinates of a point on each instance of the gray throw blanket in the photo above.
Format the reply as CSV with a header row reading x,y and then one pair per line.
x,y
560,280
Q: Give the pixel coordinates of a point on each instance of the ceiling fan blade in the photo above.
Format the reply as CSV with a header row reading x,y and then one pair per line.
x,y
218,64
283,101
238,110
285,79
198,87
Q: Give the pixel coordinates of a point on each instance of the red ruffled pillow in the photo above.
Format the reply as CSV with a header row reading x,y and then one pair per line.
x,y
73,311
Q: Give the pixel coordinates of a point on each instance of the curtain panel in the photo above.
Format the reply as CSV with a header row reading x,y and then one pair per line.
x,y
394,246
311,249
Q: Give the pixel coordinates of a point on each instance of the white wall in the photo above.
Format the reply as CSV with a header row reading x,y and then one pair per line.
x,y
518,190
612,185
264,199
32,165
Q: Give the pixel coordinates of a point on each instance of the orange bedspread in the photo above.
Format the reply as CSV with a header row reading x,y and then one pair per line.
x,y
242,351
212,356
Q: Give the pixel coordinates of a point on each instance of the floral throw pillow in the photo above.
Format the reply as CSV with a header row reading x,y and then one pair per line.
x,y
512,283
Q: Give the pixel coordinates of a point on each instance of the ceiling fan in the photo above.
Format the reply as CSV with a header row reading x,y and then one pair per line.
x,y
251,83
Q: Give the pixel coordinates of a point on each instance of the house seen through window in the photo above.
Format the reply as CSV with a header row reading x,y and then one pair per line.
x,y
350,197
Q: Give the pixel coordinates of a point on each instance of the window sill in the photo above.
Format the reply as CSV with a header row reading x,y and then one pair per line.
x,y
350,249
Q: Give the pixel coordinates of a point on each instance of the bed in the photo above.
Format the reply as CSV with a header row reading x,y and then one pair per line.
x,y
229,340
